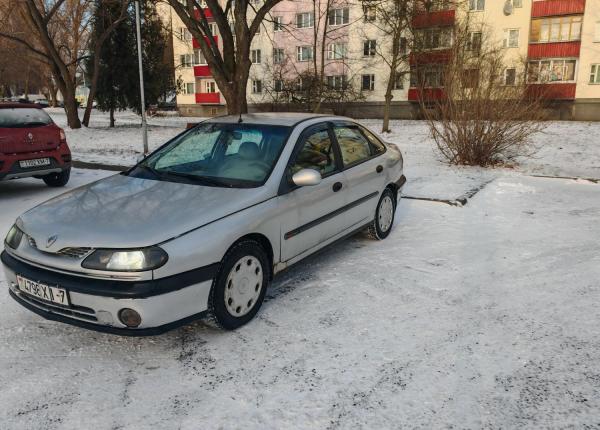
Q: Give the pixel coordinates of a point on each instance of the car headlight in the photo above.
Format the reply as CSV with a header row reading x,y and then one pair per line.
x,y
126,260
14,236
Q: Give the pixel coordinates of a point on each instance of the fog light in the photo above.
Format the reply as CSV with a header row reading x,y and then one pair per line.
x,y
129,317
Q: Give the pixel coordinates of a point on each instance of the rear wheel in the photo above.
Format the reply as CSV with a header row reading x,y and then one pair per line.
x,y
58,179
381,226
239,289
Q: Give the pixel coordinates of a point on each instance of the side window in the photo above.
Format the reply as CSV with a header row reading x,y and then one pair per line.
x,y
317,153
353,144
376,144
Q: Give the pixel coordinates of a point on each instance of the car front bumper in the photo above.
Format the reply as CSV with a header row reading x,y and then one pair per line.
x,y
163,304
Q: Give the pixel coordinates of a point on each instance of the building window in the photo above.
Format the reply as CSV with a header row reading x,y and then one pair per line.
x,y
255,56
403,46
278,85
369,13
476,4
517,3
256,86
305,20
437,5
368,82
399,81
213,28
278,23
184,34
278,55
558,29
511,38
595,74
210,87
304,53
545,71
369,48
199,57
339,16
510,76
337,82
189,88
186,60
337,51
427,77
474,42
433,38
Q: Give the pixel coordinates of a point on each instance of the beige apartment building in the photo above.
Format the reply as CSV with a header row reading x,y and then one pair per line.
x,y
557,40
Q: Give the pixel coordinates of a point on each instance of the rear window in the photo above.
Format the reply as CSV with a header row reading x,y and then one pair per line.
x,y
23,117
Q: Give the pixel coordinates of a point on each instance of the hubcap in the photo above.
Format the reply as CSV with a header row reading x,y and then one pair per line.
x,y
243,287
386,213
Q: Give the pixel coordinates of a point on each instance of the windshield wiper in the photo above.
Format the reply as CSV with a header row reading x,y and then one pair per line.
x,y
153,171
202,179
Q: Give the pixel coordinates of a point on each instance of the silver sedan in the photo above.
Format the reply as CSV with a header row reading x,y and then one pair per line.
x,y
201,225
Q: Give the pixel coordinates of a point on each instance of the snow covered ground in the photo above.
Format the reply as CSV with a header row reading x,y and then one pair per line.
x,y
481,316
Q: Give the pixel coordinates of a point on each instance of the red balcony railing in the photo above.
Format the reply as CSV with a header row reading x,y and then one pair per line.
x,y
557,7
431,57
202,71
208,98
196,45
555,91
434,19
552,50
207,13
427,94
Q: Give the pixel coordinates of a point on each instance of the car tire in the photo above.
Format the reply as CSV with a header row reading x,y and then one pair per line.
x,y
239,289
381,226
58,179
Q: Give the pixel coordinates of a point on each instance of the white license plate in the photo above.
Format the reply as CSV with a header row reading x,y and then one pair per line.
x,y
34,163
43,291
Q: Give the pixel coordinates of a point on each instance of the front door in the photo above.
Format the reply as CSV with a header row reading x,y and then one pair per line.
x,y
311,214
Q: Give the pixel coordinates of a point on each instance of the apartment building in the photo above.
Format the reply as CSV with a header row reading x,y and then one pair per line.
x,y
557,40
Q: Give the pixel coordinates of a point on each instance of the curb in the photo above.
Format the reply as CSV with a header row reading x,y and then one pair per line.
x,y
98,166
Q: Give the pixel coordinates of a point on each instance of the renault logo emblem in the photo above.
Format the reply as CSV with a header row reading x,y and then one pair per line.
x,y
51,241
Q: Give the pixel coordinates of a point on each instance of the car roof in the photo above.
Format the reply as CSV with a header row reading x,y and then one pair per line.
x,y
270,118
19,105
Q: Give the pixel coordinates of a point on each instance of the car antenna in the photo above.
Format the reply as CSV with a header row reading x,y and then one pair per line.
x,y
240,118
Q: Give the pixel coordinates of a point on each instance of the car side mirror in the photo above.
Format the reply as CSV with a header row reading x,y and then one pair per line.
x,y
306,177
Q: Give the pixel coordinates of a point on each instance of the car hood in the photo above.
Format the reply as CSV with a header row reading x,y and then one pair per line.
x,y
126,212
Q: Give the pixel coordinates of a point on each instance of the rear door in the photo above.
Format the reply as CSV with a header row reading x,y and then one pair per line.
x,y
363,170
312,214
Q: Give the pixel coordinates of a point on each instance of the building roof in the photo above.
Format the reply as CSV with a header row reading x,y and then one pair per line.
x,y
270,118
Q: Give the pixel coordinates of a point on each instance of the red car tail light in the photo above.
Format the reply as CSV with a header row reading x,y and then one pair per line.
x,y
63,137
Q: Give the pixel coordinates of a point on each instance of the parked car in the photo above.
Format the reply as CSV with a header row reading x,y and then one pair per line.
x,y
31,145
201,225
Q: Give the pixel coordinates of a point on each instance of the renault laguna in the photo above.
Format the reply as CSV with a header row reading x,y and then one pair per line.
x,y
200,226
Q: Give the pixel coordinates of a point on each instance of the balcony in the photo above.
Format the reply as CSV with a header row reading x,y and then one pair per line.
x,y
434,19
208,98
196,45
556,91
207,13
441,56
557,7
554,50
202,71
427,94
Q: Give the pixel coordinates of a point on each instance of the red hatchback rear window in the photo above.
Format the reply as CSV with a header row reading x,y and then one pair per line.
x,y
23,117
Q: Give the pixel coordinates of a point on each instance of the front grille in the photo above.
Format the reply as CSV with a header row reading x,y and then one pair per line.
x,y
79,312
74,252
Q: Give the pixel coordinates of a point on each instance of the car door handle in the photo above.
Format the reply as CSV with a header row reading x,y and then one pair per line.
x,y
337,186
379,169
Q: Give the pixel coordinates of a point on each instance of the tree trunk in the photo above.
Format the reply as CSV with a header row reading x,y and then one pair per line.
x,y
93,87
112,116
68,92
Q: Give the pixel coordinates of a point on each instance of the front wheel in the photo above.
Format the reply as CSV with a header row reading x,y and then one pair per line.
x,y
381,226
58,179
239,289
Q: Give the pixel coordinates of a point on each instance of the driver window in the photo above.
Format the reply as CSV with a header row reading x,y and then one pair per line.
x,y
317,153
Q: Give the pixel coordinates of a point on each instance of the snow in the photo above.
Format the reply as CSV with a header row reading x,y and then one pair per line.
x,y
477,316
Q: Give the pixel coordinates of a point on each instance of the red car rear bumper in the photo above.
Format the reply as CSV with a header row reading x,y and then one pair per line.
x,y
60,159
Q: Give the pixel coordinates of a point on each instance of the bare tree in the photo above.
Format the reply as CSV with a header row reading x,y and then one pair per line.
x,y
478,111
231,66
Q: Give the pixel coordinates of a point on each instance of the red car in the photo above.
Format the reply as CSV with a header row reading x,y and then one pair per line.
x,y
31,145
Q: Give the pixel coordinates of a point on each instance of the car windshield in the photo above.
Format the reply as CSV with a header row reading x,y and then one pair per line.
x,y
23,117
218,154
